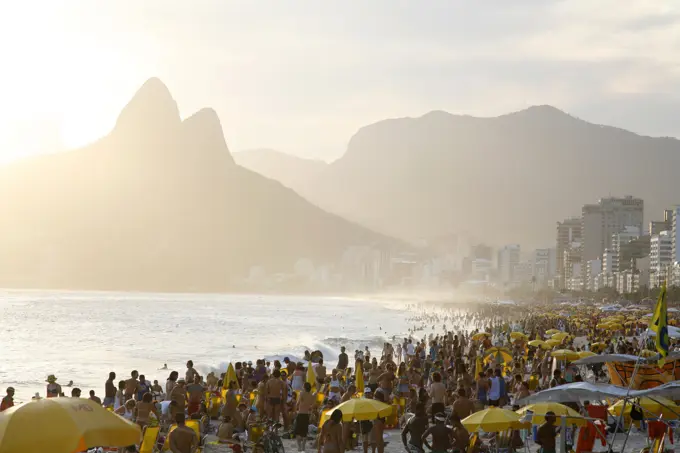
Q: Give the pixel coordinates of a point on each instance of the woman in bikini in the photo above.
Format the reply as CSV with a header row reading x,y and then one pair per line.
x,y
144,409
331,439
53,389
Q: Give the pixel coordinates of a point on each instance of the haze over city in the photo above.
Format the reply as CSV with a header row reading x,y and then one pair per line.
x,y
312,146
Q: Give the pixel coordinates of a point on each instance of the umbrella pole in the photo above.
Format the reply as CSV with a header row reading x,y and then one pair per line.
x,y
563,434
619,420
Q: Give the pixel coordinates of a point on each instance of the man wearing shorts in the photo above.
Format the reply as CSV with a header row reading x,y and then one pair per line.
x,y
276,395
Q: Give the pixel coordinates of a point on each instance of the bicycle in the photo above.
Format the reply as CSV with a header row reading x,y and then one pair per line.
x,y
269,441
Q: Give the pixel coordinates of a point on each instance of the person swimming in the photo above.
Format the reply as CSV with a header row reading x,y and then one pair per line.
x,y
165,367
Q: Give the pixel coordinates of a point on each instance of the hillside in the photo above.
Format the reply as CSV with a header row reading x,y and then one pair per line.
x,y
158,204
287,169
504,180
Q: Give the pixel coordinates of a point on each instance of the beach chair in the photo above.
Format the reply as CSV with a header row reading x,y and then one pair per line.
x,y
196,426
149,439
166,445
472,446
193,424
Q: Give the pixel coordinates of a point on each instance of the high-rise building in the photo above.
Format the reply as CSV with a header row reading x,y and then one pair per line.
x,y
545,262
600,221
675,235
481,251
508,257
593,270
657,226
660,257
572,266
568,231
620,240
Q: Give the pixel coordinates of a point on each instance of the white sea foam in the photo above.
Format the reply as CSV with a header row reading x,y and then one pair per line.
x,y
82,336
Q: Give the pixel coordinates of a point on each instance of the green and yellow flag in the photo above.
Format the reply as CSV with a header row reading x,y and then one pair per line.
x,y
659,325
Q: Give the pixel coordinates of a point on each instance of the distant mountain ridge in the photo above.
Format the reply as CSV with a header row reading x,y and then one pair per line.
x,y
158,204
285,168
506,179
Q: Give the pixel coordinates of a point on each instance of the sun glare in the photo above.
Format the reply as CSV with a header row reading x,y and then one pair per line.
x,y
64,90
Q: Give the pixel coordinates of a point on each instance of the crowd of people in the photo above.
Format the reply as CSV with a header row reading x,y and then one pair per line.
x,y
433,381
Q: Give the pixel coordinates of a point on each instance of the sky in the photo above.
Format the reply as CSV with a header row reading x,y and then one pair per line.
x,y
302,76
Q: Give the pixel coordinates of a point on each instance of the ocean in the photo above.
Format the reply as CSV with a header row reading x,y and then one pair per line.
x,y
82,336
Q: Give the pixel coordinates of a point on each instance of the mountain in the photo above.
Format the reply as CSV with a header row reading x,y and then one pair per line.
x,y
285,168
503,180
158,204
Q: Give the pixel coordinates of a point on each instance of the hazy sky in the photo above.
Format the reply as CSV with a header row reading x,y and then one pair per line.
x,y
302,76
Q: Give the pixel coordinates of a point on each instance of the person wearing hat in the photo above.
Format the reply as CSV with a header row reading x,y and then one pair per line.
x,y
441,435
179,396
8,400
53,389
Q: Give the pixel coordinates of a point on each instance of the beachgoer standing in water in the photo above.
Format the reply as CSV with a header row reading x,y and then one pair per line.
x,y
8,400
343,360
53,389
95,398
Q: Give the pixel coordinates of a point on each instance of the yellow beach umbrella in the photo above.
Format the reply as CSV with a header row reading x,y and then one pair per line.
x,y
230,376
518,336
552,332
552,342
359,409
502,355
480,336
539,344
540,409
646,353
584,354
657,406
597,347
614,326
311,377
493,420
560,336
565,354
603,325
359,378
63,425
